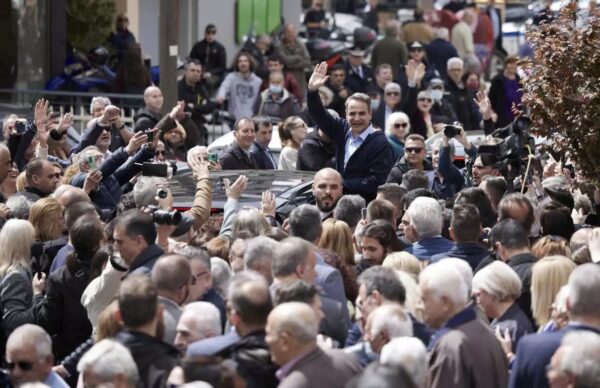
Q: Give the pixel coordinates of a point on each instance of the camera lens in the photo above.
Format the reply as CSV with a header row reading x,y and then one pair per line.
x,y
450,131
164,217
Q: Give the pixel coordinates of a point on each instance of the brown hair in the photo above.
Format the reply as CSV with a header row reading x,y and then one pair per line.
x,y
285,130
237,58
219,247
551,245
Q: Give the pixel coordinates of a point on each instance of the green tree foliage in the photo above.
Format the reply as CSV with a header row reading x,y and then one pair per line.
x,y
89,22
562,89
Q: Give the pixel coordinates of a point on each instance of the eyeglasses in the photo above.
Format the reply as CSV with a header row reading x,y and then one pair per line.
x,y
211,32
164,153
392,93
400,125
122,20
425,99
25,366
413,150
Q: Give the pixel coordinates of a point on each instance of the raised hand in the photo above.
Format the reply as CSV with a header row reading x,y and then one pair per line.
x,y
178,111
235,190
268,203
65,122
41,112
483,103
318,77
92,181
419,73
110,114
136,142
410,69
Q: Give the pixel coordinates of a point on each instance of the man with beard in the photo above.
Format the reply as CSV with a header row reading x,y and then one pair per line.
x,y
327,189
241,87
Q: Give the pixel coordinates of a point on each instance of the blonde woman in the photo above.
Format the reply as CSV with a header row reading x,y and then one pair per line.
x,y
292,133
497,288
16,277
404,261
338,251
397,126
337,237
46,216
413,295
548,275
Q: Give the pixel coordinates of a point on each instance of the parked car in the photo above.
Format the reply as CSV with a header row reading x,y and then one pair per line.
x,y
291,189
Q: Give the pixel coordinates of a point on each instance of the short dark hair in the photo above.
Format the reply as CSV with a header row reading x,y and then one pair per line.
x,y
504,209
275,57
77,210
250,298
496,187
348,209
296,291
336,67
555,219
381,209
478,197
138,301
385,234
137,223
210,27
86,235
305,222
415,179
415,137
34,167
385,281
259,121
416,193
239,121
394,193
466,226
509,233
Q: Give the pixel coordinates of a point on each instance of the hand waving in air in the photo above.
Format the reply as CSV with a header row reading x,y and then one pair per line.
x,y
318,77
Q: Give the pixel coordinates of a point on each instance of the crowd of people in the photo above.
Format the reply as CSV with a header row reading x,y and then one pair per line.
x,y
408,270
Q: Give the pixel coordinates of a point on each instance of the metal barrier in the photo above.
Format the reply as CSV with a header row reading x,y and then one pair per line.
x,y
77,103
21,102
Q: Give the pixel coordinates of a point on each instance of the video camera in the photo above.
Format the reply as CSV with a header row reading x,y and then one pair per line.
x,y
165,217
510,153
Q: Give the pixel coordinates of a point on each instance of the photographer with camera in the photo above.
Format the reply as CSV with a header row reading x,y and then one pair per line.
x,y
114,171
446,179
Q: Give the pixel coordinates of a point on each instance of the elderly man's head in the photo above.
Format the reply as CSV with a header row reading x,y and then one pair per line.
x,y
425,219
378,286
443,292
259,255
385,323
108,363
291,330
29,355
295,258
575,362
327,188
198,321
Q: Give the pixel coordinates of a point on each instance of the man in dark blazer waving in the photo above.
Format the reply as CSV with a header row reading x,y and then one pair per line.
x,y
363,154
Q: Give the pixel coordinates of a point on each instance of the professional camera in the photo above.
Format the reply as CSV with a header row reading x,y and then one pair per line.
x,y
511,151
165,217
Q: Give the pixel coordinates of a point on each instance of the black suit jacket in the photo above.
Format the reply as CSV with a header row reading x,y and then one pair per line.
x,y
263,162
533,355
234,158
355,83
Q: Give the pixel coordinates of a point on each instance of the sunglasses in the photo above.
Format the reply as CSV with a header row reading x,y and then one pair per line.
x,y
425,99
211,32
392,93
413,150
401,125
164,153
25,366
